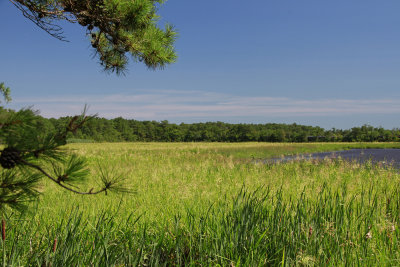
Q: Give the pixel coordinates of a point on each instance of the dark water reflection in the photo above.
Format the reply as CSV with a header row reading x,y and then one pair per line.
x,y
382,156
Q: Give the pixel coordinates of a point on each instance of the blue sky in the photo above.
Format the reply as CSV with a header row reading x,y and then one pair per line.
x,y
325,63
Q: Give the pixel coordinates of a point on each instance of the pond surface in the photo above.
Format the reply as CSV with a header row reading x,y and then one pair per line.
x,y
382,156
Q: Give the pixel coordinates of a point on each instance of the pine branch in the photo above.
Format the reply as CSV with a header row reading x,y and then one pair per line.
x,y
116,29
107,186
28,148
17,189
39,14
60,139
6,92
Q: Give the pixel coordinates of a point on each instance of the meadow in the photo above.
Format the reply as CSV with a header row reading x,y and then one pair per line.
x,y
214,204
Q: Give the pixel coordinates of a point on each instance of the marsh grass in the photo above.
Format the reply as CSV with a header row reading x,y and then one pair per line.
x,y
202,204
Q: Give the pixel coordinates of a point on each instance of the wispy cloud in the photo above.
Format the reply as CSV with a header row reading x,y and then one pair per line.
x,y
197,105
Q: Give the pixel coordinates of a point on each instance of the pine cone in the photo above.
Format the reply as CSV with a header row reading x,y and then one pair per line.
x,y
9,158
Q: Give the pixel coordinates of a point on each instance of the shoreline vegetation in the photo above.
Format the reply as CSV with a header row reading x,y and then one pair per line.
x,y
210,204
129,130
124,130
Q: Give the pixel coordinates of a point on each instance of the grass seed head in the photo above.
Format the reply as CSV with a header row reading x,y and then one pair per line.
x,y
368,235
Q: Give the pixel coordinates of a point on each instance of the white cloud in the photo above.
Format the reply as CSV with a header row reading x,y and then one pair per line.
x,y
197,105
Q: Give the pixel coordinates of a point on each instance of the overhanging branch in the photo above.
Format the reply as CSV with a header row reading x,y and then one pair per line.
x,y
57,181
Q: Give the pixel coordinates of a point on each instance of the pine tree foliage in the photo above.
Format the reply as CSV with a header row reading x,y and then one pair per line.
x,y
116,28
31,154
5,91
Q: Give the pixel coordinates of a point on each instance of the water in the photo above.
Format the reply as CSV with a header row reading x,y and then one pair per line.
x,y
381,156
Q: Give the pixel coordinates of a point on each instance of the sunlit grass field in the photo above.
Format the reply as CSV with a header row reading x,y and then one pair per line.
x,y
169,177
215,204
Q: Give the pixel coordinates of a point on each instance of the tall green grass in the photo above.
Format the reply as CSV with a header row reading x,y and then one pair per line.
x,y
255,228
196,205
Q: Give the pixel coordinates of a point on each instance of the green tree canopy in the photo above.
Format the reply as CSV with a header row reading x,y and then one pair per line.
x,y
116,28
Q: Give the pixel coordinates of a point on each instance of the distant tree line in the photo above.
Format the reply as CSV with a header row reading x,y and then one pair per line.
x,y
124,130
129,130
